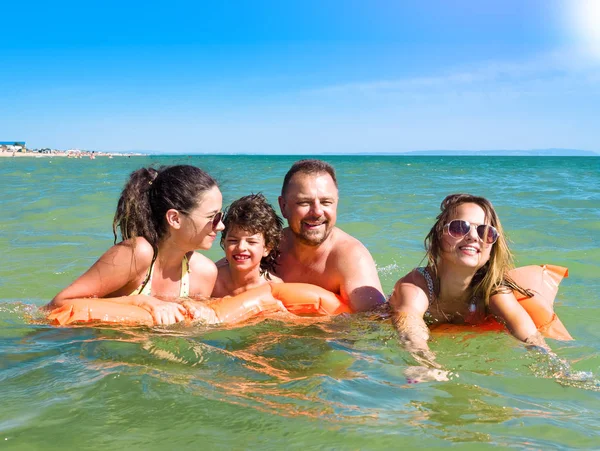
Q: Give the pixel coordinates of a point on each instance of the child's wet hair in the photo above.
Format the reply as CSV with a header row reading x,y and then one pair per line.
x,y
254,214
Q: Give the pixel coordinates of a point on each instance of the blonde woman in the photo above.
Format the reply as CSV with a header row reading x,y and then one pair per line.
x,y
466,279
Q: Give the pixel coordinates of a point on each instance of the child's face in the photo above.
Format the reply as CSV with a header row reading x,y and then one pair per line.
x,y
244,250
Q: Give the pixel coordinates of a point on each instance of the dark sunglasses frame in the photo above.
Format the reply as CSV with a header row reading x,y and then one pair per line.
x,y
217,218
465,229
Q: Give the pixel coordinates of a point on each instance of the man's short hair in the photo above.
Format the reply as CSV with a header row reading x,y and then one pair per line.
x,y
308,167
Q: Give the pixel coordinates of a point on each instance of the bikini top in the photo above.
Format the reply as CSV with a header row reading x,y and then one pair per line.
x,y
471,317
430,294
184,289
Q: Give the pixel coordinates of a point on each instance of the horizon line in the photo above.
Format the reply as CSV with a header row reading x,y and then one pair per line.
x,y
524,153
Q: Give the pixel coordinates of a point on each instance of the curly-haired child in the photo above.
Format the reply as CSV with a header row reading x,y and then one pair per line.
x,y
251,243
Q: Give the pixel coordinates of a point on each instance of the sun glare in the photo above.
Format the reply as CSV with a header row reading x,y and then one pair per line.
x,y
584,22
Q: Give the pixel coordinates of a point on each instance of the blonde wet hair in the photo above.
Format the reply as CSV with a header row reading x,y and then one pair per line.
x,y
491,278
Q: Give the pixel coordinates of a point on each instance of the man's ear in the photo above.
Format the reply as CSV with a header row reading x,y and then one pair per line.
x,y
174,218
281,201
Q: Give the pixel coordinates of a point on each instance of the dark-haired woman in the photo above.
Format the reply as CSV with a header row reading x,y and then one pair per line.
x,y
163,216
465,279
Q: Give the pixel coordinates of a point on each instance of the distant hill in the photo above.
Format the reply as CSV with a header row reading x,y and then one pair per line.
x,y
512,153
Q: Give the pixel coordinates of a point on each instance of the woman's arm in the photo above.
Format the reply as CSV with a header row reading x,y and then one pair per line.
x,y
517,320
409,303
118,268
113,276
360,286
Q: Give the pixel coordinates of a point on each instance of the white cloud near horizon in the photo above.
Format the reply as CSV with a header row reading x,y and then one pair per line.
x,y
565,65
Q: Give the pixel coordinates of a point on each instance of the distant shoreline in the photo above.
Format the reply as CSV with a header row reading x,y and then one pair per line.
x,y
82,155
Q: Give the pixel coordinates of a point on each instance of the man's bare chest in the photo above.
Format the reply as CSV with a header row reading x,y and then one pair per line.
x,y
317,273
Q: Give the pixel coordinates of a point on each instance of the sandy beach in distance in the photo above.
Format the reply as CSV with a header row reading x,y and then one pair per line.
x,y
65,154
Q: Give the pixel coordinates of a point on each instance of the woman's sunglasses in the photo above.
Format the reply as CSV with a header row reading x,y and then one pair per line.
x,y
216,220
458,228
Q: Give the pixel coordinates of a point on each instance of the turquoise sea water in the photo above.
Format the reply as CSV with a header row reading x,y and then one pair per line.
x,y
335,384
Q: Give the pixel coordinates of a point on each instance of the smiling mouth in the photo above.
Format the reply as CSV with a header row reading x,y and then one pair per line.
x,y
469,249
241,258
313,225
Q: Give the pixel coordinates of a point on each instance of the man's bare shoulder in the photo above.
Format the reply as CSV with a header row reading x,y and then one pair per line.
x,y
346,245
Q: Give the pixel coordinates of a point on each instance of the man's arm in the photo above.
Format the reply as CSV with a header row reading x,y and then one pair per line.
x,y
359,281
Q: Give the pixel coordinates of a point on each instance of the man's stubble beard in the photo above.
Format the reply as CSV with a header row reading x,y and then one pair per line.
x,y
308,240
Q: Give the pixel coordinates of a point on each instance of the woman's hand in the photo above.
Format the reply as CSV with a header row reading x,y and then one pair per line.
x,y
164,313
416,374
199,311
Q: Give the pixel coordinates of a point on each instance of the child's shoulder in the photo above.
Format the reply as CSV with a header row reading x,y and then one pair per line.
x,y
273,278
223,263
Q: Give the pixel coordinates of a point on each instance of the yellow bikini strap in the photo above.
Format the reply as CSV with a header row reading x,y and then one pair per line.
x,y
184,291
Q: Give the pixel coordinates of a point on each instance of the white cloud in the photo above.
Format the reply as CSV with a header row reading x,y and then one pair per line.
x,y
560,68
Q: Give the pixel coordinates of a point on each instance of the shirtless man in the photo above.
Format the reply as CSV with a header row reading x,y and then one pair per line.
x,y
313,249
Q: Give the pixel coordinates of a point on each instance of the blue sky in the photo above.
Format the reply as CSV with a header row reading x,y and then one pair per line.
x,y
301,77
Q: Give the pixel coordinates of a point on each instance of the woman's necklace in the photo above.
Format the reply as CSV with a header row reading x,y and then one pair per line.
x,y
451,317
